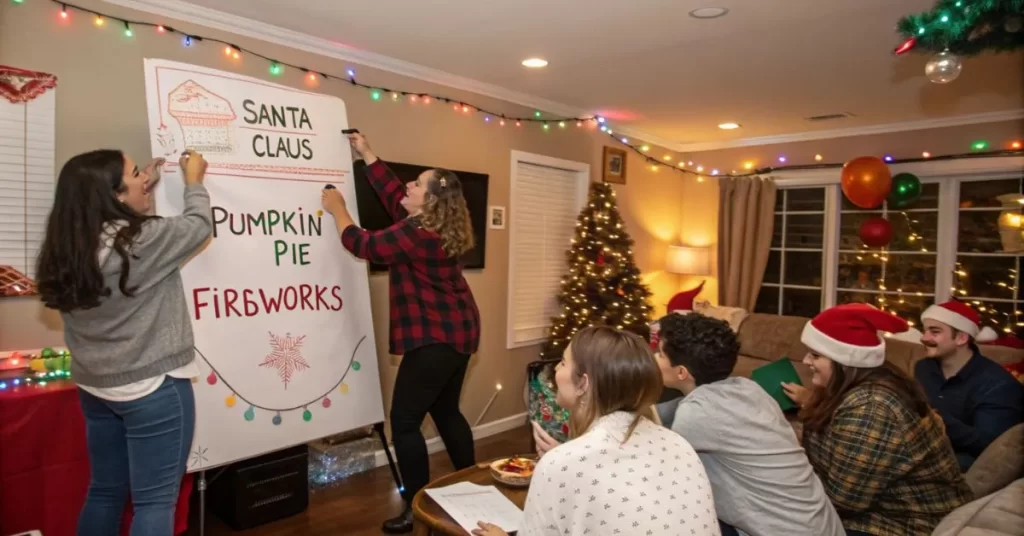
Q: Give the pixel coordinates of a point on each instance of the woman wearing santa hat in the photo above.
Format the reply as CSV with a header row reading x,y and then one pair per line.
x,y
977,398
879,449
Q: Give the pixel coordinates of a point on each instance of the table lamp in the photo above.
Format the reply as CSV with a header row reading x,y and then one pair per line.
x,y
687,260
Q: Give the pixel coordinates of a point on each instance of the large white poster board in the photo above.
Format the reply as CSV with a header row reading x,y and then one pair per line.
x,y
281,312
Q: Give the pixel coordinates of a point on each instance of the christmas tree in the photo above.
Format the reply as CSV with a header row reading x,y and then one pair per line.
x,y
965,27
603,284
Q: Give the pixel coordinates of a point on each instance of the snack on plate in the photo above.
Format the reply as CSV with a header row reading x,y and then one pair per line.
x,y
518,465
514,471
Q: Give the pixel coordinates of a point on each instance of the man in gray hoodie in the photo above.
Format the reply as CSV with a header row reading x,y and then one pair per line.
x,y
762,481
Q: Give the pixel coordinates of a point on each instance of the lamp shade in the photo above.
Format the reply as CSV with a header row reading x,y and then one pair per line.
x,y
688,260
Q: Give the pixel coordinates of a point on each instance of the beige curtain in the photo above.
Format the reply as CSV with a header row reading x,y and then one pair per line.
x,y
746,216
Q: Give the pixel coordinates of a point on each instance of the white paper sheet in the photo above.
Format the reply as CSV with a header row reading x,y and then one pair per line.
x,y
470,503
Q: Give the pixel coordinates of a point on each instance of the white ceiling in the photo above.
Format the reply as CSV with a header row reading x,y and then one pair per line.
x,y
767,65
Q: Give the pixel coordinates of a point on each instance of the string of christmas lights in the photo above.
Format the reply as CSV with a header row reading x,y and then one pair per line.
x,y
687,167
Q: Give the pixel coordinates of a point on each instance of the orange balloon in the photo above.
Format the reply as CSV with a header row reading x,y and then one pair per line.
x,y
866,181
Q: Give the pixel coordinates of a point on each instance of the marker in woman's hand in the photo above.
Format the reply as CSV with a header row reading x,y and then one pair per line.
x,y
329,187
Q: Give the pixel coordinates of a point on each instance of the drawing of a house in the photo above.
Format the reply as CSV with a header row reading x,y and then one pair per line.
x,y
204,116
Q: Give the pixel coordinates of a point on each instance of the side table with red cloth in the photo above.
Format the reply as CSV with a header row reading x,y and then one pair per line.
x,y
44,463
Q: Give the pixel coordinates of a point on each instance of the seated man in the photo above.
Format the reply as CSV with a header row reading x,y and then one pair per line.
x,y
977,399
761,480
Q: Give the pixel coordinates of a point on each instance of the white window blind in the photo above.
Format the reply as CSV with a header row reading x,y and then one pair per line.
x,y
27,141
545,204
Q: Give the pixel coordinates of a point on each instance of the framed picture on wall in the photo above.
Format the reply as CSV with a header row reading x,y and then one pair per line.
x,y
614,165
496,220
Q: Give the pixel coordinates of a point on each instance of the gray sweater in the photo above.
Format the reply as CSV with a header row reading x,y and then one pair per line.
x,y
129,339
761,479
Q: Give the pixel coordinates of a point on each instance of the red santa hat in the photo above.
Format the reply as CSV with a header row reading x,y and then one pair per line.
x,y
960,316
848,334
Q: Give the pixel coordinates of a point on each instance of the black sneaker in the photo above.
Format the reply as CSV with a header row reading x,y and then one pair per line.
x,y
401,524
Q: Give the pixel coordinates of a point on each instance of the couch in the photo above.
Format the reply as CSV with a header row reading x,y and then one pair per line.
x,y
766,338
997,477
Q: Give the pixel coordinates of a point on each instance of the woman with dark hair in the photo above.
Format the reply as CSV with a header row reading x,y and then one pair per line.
x,y
434,318
620,472
112,270
877,446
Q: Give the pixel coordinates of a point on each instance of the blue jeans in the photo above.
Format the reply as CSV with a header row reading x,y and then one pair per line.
x,y
138,447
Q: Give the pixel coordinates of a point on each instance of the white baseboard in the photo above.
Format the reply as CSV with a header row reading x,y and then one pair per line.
x,y
435,444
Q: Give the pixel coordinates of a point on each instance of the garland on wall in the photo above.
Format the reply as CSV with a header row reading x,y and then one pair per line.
x,y
546,122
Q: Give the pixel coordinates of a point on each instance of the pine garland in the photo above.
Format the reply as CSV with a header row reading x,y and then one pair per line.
x,y
967,27
603,285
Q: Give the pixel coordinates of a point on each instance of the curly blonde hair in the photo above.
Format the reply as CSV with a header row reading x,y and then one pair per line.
x,y
445,213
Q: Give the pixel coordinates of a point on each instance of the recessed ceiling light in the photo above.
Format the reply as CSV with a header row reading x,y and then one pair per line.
x,y
709,12
728,126
535,63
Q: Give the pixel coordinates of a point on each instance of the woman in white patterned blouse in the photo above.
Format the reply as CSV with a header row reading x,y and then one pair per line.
x,y
621,473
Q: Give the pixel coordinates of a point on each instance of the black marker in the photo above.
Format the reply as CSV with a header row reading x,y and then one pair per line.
x,y
350,131
329,187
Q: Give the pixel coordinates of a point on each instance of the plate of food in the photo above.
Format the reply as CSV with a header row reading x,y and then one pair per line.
x,y
515,471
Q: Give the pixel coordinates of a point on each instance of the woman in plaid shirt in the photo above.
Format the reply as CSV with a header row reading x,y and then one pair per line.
x,y
878,448
434,318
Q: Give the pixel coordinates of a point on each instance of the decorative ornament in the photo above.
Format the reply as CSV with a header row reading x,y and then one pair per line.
x,y
20,85
343,388
326,402
276,420
620,292
47,352
307,415
212,378
600,259
231,400
875,232
966,27
866,181
250,413
943,67
906,190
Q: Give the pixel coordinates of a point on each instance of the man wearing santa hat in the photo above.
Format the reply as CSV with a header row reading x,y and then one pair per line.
x,y
976,397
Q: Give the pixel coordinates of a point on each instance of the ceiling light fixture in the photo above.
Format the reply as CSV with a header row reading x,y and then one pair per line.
x,y
709,12
535,63
728,126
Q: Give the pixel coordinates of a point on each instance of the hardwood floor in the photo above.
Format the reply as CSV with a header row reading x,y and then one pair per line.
x,y
359,505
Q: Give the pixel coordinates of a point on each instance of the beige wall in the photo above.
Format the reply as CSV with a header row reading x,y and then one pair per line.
x,y
101,103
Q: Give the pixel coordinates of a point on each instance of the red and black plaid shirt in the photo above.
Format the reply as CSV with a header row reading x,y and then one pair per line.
x,y
430,299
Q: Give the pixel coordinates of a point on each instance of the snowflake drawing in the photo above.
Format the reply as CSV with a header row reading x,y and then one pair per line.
x,y
285,356
198,457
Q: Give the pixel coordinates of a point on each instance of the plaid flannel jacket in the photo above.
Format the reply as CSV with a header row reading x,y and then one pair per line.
x,y
887,471
430,299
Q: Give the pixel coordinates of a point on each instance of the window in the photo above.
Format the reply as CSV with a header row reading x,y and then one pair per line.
x,y
964,237
547,195
794,275
27,141
989,243
900,277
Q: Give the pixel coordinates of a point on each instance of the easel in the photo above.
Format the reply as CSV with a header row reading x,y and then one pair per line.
x,y
203,482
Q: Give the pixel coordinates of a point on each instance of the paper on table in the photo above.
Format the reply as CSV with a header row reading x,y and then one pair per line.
x,y
470,503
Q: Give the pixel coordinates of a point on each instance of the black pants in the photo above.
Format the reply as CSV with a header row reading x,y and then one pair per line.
x,y
429,381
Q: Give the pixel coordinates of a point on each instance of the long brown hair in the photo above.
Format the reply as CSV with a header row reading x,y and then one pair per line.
x,y
622,374
445,213
818,412
68,273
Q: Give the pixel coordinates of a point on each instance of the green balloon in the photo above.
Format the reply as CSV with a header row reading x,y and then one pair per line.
x,y
906,189
48,352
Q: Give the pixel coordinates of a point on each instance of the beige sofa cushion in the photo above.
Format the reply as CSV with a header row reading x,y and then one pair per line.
x,y
1002,462
998,514
770,337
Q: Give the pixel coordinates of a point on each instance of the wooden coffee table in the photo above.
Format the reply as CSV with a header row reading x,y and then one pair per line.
x,y
431,518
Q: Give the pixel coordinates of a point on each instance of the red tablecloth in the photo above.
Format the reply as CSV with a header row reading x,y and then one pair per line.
x,y
44,466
